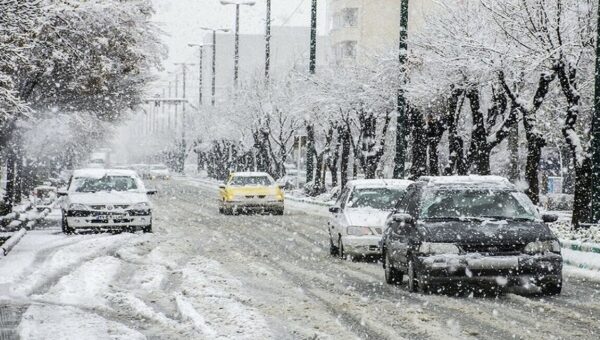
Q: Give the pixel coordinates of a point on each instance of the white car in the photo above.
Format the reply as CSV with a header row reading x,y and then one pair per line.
x,y
359,215
105,199
159,171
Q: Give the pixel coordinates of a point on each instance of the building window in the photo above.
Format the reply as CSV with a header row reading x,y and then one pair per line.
x,y
345,50
347,17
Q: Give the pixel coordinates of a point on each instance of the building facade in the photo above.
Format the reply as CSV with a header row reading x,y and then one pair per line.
x,y
359,29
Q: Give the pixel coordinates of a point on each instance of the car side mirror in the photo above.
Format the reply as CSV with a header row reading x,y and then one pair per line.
x,y
62,193
403,218
151,192
221,186
549,218
334,210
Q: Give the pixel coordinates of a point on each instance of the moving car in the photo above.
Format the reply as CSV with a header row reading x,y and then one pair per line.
x,y
104,199
251,192
476,229
159,171
359,215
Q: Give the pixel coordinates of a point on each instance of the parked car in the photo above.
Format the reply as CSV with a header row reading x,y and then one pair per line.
x,y
463,230
104,199
44,197
142,170
251,192
359,215
159,171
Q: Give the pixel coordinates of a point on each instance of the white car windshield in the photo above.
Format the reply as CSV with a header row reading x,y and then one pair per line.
x,y
251,180
376,198
106,183
494,204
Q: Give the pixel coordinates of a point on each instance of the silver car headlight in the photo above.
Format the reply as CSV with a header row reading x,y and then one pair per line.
x,y
429,248
539,247
140,206
359,231
78,206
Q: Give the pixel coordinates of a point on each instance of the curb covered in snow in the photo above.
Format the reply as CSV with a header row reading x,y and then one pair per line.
x,y
581,246
307,200
12,241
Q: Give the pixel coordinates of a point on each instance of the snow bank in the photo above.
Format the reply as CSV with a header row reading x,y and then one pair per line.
x,y
51,322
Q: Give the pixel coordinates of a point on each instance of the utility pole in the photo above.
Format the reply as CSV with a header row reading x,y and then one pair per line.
x,y
169,111
200,69
400,156
184,67
236,58
176,96
268,42
595,213
214,58
313,38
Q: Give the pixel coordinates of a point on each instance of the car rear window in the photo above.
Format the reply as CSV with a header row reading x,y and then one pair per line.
x,y
250,180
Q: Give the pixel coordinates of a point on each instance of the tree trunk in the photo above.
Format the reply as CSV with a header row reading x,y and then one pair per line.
x,y
583,193
534,155
513,149
345,156
11,179
310,152
456,161
419,148
479,153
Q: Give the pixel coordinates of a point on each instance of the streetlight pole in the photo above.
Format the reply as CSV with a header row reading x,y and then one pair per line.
x,y
200,69
400,156
595,213
184,67
214,58
313,38
236,58
268,42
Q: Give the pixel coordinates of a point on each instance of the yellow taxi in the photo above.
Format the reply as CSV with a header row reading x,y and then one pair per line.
x,y
250,192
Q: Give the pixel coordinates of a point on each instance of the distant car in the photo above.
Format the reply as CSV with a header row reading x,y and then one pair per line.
x,y
159,171
450,231
359,215
105,199
96,164
251,192
44,196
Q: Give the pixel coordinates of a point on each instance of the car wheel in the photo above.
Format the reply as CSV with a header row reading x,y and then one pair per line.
x,y
552,288
392,275
147,229
65,226
333,250
413,284
279,212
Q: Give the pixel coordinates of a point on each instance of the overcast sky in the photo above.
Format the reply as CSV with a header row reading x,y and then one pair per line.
x,y
181,20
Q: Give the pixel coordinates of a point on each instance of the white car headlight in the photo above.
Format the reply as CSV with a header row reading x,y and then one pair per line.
x,y
140,206
77,206
438,248
539,247
359,231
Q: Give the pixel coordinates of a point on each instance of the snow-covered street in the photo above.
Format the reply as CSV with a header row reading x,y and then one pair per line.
x,y
205,275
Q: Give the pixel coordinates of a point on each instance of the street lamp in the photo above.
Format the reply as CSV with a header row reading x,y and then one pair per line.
x,y
595,206
268,42
236,62
200,70
313,38
184,67
214,57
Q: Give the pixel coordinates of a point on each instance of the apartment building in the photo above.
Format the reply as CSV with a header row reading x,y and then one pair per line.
x,y
359,29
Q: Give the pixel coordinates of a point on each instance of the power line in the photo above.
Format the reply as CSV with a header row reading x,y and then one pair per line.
x,y
293,13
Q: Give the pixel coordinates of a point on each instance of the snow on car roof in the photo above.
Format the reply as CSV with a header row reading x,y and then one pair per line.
x,y
376,183
250,174
472,180
99,173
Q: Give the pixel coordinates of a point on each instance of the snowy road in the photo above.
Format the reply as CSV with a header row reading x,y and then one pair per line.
x,y
202,275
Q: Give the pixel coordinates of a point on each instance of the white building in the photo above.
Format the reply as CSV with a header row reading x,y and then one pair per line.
x,y
362,28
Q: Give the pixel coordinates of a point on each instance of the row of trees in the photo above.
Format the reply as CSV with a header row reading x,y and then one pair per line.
x,y
68,70
490,83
